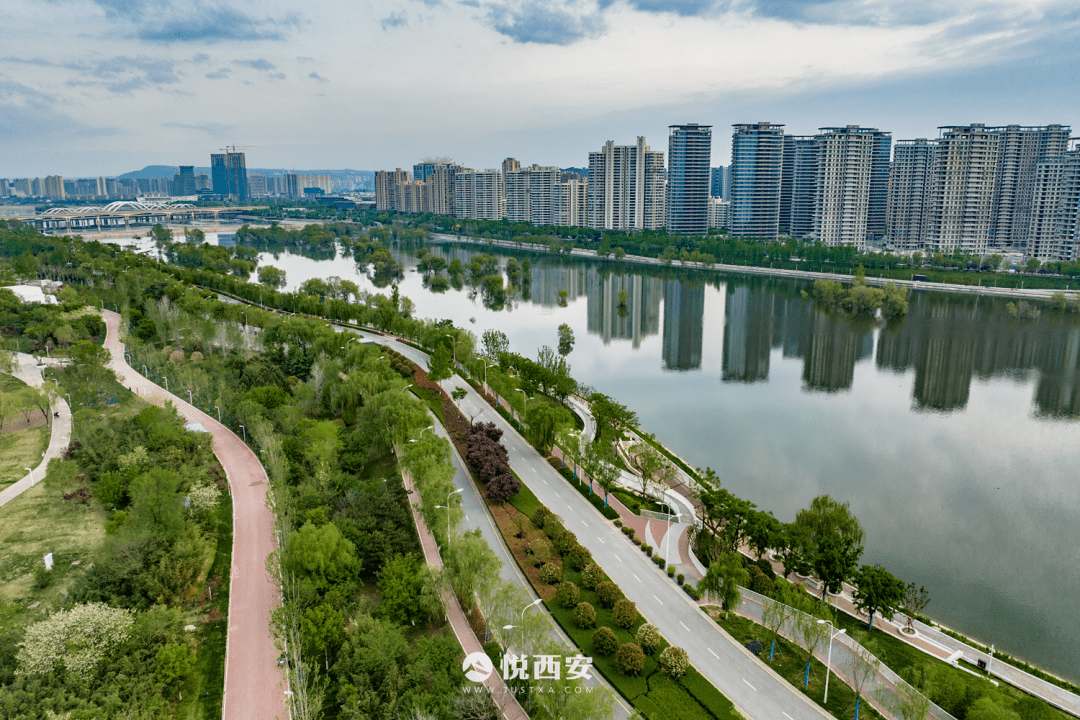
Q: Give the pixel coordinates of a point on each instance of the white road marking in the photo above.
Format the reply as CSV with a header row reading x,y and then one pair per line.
x,y
544,481
601,541
658,600
713,654
557,494
788,716
751,686
618,558
684,626
636,577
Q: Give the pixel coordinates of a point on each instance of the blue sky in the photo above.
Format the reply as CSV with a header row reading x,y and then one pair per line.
x,y
92,87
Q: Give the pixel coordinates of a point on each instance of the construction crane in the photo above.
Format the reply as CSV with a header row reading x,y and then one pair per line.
x,y
245,147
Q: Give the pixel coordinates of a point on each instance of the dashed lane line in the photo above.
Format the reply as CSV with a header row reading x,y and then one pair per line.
x,y
751,686
713,654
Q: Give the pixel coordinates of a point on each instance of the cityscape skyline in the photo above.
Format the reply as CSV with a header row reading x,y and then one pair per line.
x,y
123,82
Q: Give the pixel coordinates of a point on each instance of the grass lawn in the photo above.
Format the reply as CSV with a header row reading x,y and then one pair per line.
x,y
37,522
20,450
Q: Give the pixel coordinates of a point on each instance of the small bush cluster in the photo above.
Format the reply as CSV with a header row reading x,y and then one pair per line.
x,y
584,615
624,613
607,593
674,662
629,659
489,462
648,636
591,576
550,574
568,594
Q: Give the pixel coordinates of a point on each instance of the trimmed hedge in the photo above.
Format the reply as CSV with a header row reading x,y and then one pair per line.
x,y
597,502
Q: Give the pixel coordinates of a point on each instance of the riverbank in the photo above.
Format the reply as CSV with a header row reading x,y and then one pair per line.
x,y
1022,293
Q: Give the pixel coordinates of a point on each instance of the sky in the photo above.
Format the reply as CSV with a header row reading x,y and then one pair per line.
x,y
102,87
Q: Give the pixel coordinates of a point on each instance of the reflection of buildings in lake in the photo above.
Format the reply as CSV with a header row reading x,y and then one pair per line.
x,y
747,334
830,347
1058,388
549,278
684,317
641,317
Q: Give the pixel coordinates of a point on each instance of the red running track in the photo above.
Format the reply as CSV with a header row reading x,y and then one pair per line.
x,y
254,685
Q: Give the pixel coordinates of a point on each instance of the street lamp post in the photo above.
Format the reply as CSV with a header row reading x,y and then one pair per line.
x,y
447,508
190,401
31,471
525,406
244,431
166,383
218,412
485,361
828,661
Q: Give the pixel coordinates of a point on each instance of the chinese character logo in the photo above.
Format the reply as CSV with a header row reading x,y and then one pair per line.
x,y
478,667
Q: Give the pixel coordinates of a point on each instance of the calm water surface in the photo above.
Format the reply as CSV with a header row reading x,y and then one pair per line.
x,y
953,435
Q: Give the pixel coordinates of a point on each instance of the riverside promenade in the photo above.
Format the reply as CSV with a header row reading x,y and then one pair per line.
x,y
254,684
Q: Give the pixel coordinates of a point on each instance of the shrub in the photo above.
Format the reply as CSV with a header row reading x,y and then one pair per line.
x,y
541,516
176,356
674,662
604,641
607,593
42,577
766,567
618,523
691,591
629,659
661,562
568,594
519,523
502,487
637,541
626,530
760,582
671,571
550,573
624,613
584,615
196,356
648,637
537,547
647,549
591,576
680,578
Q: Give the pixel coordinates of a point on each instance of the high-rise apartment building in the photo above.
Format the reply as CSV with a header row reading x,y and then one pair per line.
x,y
570,203
909,194
757,156
54,187
530,194
1020,151
719,177
5,188
385,184
479,195
1054,231
879,183
964,177
688,178
426,168
229,173
184,182
256,186
797,186
510,165
438,186
626,187
719,213
844,159
297,185
409,197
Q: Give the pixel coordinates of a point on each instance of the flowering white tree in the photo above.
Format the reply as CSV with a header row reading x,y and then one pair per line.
x,y
204,498
78,639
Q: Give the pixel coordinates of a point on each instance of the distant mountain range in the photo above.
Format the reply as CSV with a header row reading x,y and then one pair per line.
x,y
168,171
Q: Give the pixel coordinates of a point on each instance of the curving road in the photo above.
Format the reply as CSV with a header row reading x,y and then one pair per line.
x,y
254,686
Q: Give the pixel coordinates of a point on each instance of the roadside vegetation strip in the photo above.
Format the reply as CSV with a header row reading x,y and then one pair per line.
x,y
648,689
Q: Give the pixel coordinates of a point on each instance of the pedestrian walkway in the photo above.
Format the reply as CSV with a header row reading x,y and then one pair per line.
x,y
31,373
504,699
254,685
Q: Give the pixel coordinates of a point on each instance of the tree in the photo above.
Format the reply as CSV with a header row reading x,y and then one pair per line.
x,y
723,578
877,590
174,661
584,615
495,342
545,421
594,464
611,417
502,487
568,594
629,659
607,593
811,635
674,662
915,601
472,564
624,613
194,236
796,549
762,532
320,554
604,641
862,671
907,703
654,466
837,539
566,340
648,636
404,584
271,277
774,615
78,640
440,367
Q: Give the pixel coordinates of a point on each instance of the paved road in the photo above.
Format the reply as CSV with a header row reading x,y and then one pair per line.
x,y
254,686
754,688
30,373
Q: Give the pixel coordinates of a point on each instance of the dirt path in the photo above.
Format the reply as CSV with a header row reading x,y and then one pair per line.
x,y
254,686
